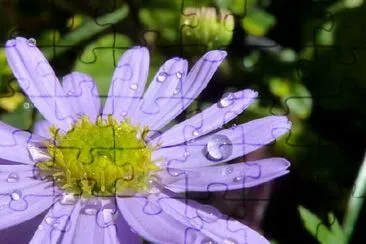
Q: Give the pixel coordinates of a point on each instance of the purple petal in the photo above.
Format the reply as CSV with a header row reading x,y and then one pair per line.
x,y
42,128
128,83
83,93
239,140
38,80
24,202
58,222
13,144
227,177
149,221
100,226
208,120
208,220
196,80
160,94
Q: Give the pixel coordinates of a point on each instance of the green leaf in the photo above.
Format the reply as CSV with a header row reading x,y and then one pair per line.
x,y
89,28
319,230
21,118
100,58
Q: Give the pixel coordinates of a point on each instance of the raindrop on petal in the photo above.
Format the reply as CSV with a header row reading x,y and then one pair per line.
x,y
16,195
226,100
218,148
92,206
32,42
238,179
133,87
49,220
179,75
195,133
161,77
227,170
40,227
13,178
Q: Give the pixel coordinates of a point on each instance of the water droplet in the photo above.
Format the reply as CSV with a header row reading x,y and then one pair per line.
x,y
207,213
49,220
195,133
174,172
176,91
40,227
124,113
186,154
208,240
70,92
153,183
68,199
92,206
178,75
32,42
226,100
133,86
230,241
238,179
218,148
227,170
13,178
16,195
109,212
161,77
37,154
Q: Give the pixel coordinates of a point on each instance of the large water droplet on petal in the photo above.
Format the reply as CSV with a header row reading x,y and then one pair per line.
x,y
13,178
92,206
161,77
226,100
16,195
218,148
238,179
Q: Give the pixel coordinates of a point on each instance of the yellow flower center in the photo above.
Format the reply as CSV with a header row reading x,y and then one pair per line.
x,y
99,159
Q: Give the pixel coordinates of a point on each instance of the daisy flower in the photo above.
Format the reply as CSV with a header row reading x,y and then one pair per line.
x,y
113,174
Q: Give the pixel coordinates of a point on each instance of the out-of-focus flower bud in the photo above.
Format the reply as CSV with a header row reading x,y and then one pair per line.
x,y
204,26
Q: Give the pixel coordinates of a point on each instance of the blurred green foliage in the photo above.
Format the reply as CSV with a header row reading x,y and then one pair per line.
x,y
305,59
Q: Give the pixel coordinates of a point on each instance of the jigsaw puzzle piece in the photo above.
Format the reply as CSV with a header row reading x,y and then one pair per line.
x,y
224,145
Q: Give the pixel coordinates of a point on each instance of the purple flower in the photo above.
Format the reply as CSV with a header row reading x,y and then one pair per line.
x,y
97,193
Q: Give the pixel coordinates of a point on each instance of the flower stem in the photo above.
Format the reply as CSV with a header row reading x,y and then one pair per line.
x,y
355,202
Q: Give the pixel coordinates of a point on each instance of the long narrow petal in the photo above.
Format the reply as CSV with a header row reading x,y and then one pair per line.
x,y
13,144
99,218
196,80
24,203
208,120
224,145
59,221
39,81
128,83
148,220
83,93
208,220
226,177
156,100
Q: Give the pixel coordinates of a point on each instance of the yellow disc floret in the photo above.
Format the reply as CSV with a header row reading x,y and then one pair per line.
x,y
99,159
